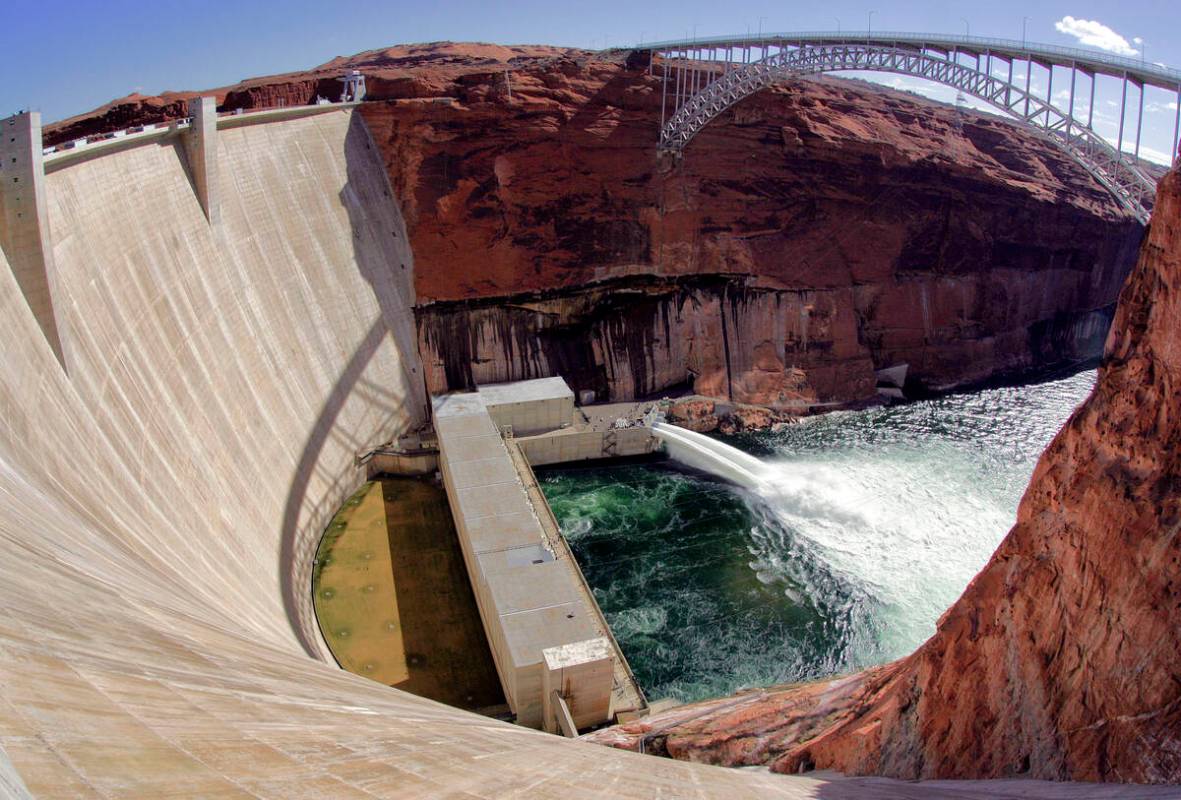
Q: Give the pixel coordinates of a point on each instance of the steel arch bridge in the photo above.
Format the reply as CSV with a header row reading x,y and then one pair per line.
x,y
704,77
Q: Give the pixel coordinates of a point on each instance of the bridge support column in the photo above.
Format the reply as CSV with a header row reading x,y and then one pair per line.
x,y
663,88
1009,87
1177,129
1070,113
1091,106
1028,83
201,148
1049,94
24,223
1123,104
1139,122
677,86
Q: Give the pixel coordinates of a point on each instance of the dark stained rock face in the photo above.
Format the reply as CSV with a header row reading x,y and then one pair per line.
x,y
640,336
1062,659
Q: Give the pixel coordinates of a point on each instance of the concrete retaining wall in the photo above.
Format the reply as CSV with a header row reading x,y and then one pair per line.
x,y
555,448
402,464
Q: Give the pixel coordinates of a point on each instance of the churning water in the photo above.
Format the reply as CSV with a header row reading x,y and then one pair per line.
x,y
859,530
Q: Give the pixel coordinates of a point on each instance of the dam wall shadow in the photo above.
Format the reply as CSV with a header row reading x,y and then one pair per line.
x,y
382,258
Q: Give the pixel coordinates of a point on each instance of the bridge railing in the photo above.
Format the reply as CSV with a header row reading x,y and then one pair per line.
x,y
1170,78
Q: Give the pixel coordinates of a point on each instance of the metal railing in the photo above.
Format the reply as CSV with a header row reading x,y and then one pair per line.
x,y
182,123
94,145
1140,68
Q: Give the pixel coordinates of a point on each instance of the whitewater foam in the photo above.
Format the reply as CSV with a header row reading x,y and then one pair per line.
x,y
906,553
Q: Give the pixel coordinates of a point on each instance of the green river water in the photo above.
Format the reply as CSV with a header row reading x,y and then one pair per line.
x,y
869,524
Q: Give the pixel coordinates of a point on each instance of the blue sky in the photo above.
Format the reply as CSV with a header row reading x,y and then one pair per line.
x,y
67,57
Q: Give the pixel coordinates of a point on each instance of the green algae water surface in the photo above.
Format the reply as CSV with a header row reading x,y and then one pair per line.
x,y
867,526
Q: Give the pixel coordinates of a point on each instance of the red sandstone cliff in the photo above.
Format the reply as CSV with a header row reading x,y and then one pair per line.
x,y
808,236
811,235
1062,659
415,70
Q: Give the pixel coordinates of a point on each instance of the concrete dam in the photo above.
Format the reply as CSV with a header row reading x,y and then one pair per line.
x,y
205,333
165,491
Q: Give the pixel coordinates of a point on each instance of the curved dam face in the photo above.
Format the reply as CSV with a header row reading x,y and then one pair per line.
x,y
161,502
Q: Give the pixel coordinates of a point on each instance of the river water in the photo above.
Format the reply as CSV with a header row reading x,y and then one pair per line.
x,y
866,527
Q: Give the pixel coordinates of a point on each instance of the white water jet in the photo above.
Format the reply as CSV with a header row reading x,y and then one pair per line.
x,y
709,455
858,516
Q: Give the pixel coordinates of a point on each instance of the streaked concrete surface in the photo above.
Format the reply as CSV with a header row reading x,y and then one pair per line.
x,y
528,587
530,406
159,507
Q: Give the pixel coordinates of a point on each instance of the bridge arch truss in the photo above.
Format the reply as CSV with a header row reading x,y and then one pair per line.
x,y
704,78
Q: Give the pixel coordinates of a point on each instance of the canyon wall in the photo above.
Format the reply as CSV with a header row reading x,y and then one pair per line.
x,y
812,234
1062,659
809,235
634,337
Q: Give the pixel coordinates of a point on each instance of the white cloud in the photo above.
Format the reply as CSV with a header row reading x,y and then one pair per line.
x,y
1095,34
927,89
1147,153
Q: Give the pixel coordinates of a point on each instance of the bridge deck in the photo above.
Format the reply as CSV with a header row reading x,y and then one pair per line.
x,y
1093,60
